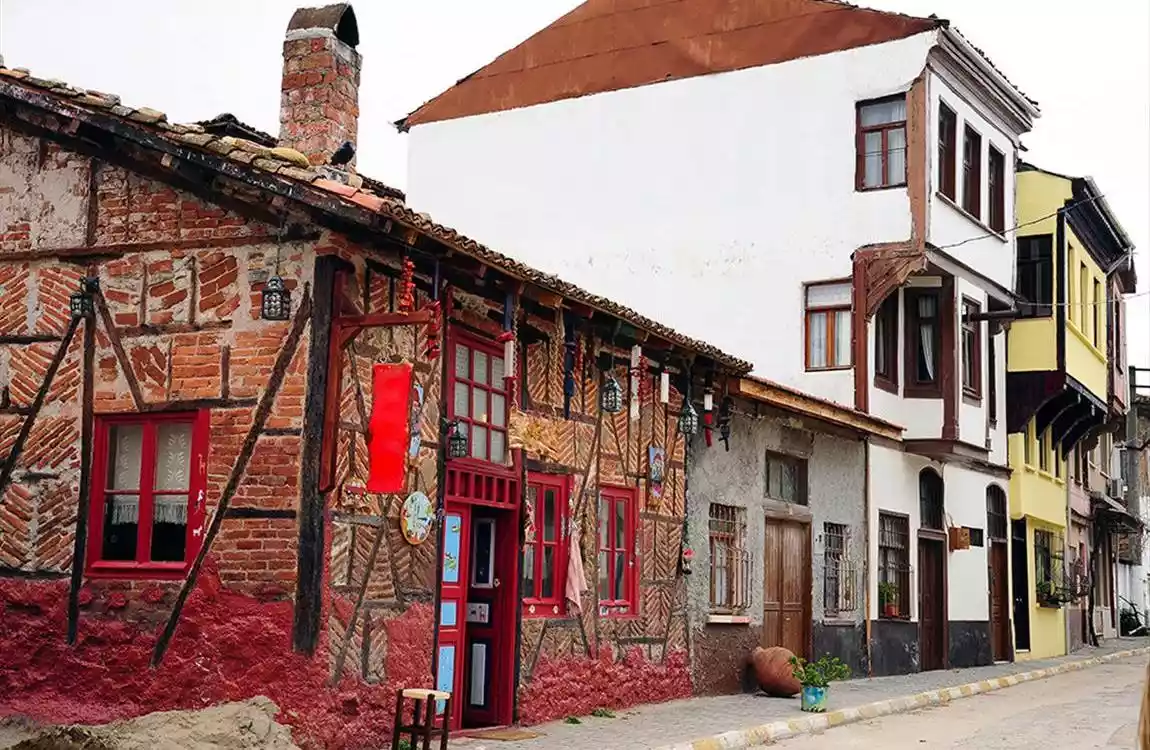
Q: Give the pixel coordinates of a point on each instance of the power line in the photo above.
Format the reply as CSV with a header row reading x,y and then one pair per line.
x,y
1016,227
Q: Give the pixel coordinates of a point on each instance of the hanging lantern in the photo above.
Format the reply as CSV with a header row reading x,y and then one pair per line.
x,y
457,442
611,397
82,303
276,304
688,419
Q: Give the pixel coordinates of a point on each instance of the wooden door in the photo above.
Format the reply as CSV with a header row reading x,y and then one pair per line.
x,y
450,656
999,601
931,610
786,586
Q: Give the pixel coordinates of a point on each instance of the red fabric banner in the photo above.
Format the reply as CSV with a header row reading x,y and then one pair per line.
x,y
390,427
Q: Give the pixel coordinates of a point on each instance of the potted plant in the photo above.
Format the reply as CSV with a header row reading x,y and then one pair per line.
x,y
888,597
1046,595
816,677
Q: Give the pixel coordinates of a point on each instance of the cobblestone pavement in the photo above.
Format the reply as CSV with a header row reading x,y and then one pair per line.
x,y
653,726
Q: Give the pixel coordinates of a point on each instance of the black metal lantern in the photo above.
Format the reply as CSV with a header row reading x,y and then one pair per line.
x,y
83,302
611,396
457,441
276,303
688,419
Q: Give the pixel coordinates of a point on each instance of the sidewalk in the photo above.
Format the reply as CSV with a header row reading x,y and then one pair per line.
x,y
659,725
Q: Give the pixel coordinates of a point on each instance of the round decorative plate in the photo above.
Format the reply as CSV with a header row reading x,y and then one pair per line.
x,y
418,514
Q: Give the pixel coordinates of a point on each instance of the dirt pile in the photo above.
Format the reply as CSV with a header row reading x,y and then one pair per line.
x,y
248,725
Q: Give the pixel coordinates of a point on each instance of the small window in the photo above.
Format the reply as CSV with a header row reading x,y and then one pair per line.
x,y
1044,450
1057,460
996,187
996,524
1028,444
1099,311
971,350
1048,568
479,398
544,568
992,381
881,144
947,150
617,520
147,510
838,571
786,479
1116,334
930,501
886,343
1076,469
828,326
1084,311
893,566
1036,275
483,553
730,559
924,340
972,173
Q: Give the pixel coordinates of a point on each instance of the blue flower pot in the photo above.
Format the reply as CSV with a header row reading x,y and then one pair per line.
x,y
814,699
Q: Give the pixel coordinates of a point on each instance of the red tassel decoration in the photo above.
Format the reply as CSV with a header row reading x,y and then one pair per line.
x,y
431,347
407,287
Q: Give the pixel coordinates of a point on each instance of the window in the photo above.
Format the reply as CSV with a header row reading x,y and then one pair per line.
x,y
1057,459
930,501
617,550
148,506
544,552
923,339
1036,275
1049,581
947,150
881,144
972,173
828,325
838,571
1116,334
1044,450
786,479
1084,309
1076,470
730,559
971,350
479,400
886,343
893,566
1028,444
992,378
996,514
1099,310
996,186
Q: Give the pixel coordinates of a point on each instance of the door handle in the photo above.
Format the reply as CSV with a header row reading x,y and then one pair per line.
x,y
496,583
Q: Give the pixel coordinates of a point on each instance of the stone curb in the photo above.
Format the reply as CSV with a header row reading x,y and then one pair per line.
x,y
781,730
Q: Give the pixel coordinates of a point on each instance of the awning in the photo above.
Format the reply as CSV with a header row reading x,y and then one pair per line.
x,y
953,266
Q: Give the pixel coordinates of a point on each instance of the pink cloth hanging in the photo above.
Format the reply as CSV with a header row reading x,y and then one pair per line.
x,y
576,579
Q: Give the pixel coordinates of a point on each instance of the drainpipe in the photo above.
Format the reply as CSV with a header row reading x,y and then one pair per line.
x,y
866,558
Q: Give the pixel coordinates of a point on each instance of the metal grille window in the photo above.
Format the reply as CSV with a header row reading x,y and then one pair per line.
x,y
894,565
730,560
838,571
1049,577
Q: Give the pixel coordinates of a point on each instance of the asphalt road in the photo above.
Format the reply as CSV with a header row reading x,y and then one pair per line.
x,y
1094,708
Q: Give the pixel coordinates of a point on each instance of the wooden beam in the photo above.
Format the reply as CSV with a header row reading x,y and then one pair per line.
x,y
815,408
121,354
80,544
579,309
383,320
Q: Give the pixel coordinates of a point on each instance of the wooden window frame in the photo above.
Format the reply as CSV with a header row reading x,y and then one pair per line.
x,y
727,529
831,312
997,514
947,151
535,604
972,172
143,569
492,350
1039,261
1083,303
931,501
996,189
991,379
886,378
911,385
800,469
901,524
971,391
625,605
1098,312
860,145
1043,450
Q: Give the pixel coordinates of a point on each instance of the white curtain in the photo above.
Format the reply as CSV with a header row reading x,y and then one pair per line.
x,y
926,315
842,337
818,338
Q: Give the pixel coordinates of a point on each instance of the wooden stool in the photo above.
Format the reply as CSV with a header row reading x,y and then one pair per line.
x,y
421,727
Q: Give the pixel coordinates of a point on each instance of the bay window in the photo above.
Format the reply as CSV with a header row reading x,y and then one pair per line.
x,y
971,351
886,344
972,172
479,397
923,342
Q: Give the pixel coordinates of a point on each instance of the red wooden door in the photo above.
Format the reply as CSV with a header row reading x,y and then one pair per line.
x,y
453,607
786,586
999,601
931,612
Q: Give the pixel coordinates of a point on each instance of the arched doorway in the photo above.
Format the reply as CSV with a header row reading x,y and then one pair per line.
x,y
997,571
932,639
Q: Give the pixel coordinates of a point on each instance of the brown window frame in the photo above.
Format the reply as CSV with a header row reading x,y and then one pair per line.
x,y
931,501
991,379
1099,314
972,172
1035,275
996,188
860,145
972,388
886,367
894,560
947,151
912,386
831,312
799,465
997,514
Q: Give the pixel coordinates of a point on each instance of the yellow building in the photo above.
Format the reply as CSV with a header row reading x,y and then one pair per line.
x,y
1057,373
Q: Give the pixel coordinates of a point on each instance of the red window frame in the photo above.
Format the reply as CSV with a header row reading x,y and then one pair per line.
x,y
142,567
493,351
618,603
535,603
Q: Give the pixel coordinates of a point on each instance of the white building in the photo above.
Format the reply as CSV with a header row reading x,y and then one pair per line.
x,y
824,190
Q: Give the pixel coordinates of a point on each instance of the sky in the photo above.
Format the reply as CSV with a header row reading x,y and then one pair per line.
x,y
193,59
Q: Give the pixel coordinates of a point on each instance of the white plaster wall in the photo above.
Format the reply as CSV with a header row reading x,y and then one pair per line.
x,y
949,225
893,487
965,497
704,203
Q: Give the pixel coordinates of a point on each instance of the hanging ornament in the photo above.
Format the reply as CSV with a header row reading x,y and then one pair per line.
x,y
636,377
457,441
725,422
708,415
664,387
688,419
611,395
431,345
407,287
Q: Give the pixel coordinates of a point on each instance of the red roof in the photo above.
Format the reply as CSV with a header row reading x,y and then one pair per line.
x,y
606,45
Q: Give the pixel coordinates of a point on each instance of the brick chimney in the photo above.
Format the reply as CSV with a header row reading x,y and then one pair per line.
x,y
319,106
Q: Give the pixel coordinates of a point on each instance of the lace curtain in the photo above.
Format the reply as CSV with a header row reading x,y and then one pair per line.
x,y
173,466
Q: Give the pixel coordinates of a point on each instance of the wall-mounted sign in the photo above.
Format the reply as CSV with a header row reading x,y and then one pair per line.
x,y
418,514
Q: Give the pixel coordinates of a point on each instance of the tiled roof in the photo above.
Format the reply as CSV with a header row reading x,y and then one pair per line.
x,y
607,45
290,164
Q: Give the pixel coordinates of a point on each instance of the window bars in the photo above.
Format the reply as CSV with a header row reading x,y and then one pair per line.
x,y
839,575
894,571
730,560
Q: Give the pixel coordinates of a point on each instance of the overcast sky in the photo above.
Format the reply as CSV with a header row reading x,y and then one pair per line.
x,y
1088,69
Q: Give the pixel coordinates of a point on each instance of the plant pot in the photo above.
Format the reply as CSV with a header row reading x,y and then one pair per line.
x,y
814,699
890,609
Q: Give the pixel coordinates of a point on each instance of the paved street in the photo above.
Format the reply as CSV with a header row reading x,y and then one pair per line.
x,y
1094,708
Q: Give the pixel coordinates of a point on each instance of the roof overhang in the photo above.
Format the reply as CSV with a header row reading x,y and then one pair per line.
x,y
1011,103
1113,513
947,263
804,404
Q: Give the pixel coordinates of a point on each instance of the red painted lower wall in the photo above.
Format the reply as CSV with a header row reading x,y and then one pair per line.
x,y
228,647
575,686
